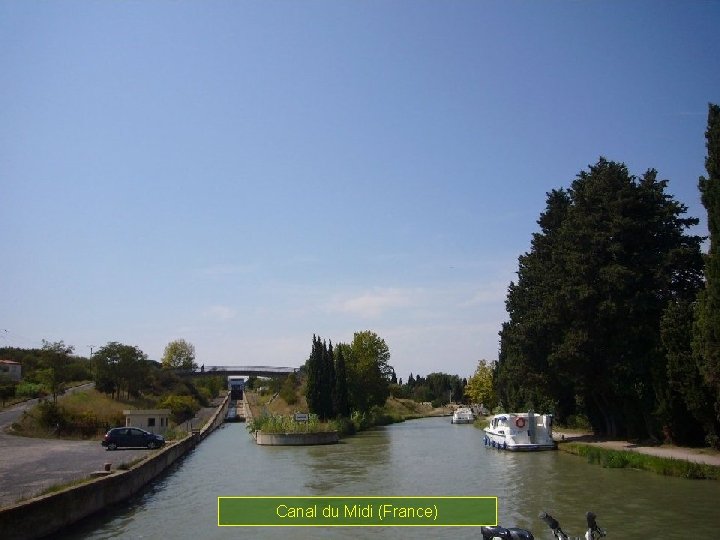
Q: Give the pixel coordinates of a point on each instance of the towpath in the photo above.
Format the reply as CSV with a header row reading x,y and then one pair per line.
x,y
698,455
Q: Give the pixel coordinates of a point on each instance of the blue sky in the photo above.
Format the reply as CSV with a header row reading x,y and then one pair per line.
x,y
245,174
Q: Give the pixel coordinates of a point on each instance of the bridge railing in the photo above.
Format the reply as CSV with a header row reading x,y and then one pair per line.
x,y
249,370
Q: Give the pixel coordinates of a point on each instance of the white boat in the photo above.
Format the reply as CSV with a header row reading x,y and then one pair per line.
x,y
520,431
463,415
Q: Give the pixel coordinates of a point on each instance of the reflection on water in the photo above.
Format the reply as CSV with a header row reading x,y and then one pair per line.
x,y
345,468
420,457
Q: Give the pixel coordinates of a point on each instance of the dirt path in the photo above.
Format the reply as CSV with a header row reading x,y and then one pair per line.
x,y
698,455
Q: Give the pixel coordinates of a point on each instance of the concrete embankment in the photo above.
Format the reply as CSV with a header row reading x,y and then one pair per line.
x,y
42,516
296,439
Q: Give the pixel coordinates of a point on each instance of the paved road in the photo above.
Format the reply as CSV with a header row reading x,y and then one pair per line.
x,y
29,466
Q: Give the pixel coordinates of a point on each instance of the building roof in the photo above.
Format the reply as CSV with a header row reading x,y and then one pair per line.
x,y
146,412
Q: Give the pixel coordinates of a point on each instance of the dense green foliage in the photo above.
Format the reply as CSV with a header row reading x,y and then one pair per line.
x,y
611,256
706,342
368,371
480,387
45,371
8,388
182,408
437,388
120,368
288,389
347,378
124,369
179,354
341,400
320,385
55,363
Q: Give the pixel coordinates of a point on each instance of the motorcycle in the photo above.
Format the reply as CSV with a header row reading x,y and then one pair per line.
x,y
514,533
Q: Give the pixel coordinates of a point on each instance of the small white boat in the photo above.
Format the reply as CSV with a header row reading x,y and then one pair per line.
x,y
520,431
463,415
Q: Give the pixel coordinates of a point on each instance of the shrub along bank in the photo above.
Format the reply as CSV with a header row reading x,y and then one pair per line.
x,y
622,459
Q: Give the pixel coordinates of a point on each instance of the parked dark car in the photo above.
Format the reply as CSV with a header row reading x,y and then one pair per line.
x,y
130,437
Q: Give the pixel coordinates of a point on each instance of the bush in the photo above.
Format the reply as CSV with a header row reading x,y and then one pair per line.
x,y
287,391
7,389
182,408
68,423
578,421
270,423
51,415
344,426
360,420
29,390
210,385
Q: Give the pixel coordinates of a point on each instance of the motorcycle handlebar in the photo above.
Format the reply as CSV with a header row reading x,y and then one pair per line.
x,y
555,526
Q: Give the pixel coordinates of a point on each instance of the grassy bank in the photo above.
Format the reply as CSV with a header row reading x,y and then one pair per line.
x,y
83,414
619,459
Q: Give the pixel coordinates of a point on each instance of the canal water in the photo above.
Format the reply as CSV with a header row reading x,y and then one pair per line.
x,y
420,457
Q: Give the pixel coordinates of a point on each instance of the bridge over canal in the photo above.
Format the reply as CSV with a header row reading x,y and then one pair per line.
x,y
227,371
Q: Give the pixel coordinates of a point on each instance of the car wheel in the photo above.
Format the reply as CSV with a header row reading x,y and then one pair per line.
x,y
112,446
152,445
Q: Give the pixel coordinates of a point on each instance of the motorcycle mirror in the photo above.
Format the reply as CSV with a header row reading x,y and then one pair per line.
x,y
592,524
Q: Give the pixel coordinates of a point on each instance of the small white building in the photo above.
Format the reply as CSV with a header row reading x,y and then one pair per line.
x,y
152,420
11,369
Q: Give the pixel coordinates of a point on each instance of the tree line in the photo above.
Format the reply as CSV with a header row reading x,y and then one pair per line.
x,y
122,371
45,371
347,377
437,388
615,314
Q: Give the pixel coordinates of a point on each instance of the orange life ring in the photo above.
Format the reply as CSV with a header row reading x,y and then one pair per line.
x,y
520,422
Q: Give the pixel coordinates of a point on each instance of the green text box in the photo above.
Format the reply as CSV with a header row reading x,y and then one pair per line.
x,y
356,511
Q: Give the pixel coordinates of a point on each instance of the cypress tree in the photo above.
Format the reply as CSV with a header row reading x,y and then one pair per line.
x,y
341,390
329,382
585,313
313,387
706,342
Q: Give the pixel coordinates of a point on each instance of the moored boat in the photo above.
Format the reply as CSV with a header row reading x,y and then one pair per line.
x,y
520,431
463,415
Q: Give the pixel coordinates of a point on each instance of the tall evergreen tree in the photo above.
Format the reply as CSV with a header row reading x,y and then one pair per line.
x,y
585,313
706,343
685,405
314,377
320,384
328,388
537,318
342,407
